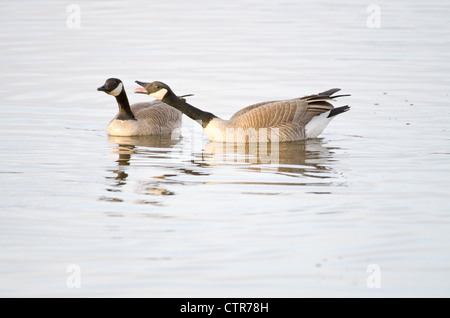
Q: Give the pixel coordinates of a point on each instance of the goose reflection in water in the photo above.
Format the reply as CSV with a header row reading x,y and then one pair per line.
x,y
127,147
309,162
310,158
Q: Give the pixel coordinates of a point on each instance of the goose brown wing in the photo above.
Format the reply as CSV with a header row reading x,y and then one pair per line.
x,y
279,113
249,108
271,114
289,116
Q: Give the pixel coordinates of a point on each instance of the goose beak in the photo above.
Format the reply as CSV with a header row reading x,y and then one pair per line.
x,y
140,90
102,89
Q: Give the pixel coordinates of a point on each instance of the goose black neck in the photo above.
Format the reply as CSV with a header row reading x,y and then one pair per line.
x,y
192,112
125,112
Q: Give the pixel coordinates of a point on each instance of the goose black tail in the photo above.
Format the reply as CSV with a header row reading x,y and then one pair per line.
x,y
338,110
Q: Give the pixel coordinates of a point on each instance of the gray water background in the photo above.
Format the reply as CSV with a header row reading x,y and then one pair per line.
x,y
364,210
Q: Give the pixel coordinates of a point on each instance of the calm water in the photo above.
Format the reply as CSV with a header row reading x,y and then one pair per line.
x,y
362,211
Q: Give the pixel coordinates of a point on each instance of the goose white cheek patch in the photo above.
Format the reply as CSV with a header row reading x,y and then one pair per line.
x,y
117,90
159,94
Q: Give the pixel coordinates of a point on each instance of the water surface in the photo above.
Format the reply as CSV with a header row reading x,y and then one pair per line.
x,y
183,217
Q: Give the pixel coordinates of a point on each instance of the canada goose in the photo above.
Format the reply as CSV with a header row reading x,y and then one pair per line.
x,y
154,118
285,120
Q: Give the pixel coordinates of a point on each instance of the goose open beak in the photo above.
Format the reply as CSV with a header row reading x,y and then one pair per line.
x,y
140,90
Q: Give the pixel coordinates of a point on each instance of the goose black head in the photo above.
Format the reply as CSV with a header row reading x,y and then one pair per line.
x,y
154,89
112,86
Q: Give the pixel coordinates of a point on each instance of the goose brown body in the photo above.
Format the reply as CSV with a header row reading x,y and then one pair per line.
x,y
154,118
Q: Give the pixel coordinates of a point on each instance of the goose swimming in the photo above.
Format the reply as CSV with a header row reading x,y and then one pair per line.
x,y
149,118
283,120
